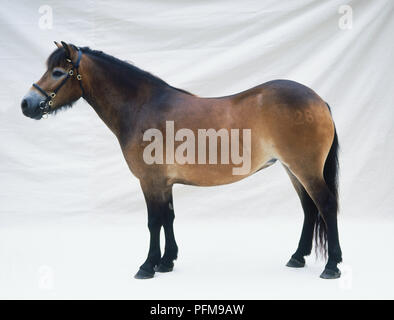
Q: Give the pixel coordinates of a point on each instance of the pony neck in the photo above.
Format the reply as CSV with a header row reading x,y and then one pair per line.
x,y
117,94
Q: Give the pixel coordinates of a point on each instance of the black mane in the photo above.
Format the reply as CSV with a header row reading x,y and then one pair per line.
x,y
58,57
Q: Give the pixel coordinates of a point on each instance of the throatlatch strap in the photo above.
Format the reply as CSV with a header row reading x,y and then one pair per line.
x,y
76,65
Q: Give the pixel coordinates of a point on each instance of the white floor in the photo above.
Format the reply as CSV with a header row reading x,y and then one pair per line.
x,y
87,256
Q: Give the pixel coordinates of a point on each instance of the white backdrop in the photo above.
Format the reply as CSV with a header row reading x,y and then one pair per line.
x,y
72,217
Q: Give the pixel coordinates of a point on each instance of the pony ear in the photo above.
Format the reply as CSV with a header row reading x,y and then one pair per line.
x,y
65,46
58,45
71,51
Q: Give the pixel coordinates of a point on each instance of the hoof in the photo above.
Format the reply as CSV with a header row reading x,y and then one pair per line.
x,y
142,274
163,268
294,263
330,274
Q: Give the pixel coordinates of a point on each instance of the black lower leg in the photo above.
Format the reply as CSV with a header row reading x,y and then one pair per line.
x,y
171,248
310,215
157,197
331,270
329,209
154,224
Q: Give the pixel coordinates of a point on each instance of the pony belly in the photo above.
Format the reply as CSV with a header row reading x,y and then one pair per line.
x,y
204,175
215,174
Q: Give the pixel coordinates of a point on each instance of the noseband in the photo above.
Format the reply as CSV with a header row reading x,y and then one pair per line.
x,y
45,105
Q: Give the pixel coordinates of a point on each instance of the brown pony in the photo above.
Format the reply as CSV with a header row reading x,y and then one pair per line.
x,y
279,120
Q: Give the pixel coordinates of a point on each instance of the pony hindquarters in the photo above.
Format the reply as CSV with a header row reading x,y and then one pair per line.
x,y
313,170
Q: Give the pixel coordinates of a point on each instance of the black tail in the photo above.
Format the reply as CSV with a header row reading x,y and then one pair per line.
x,y
331,169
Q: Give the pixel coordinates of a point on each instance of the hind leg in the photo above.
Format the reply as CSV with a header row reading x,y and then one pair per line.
x,y
328,207
326,203
310,215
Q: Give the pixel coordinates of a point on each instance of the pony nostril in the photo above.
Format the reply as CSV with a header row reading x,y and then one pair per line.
x,y
24,105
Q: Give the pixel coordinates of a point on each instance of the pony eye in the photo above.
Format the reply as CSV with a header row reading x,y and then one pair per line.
x,y
57,73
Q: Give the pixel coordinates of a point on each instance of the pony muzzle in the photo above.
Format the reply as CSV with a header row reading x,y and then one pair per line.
x,y
33,105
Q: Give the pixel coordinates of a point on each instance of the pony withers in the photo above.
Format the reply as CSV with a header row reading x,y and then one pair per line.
x,y
280,120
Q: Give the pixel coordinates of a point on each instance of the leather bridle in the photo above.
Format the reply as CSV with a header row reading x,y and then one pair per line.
x,y
45,105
